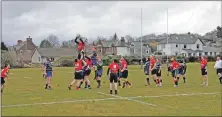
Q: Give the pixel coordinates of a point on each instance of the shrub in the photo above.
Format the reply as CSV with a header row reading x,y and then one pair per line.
x,y
211,58
192,59
67,63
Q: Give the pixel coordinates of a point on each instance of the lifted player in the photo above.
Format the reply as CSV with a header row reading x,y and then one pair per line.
x,y
113,70
81,45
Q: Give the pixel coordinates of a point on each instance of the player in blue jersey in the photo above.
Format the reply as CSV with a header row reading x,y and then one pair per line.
x,y
158,68
49,73
99,72
147,70
182,69
94,62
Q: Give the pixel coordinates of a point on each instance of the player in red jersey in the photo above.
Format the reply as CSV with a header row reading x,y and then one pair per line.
x,y
4,75
113,70
152,69
124,72
203,67
78,66
81,45
175,71
87,71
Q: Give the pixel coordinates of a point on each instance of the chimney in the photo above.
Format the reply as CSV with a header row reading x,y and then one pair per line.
x,y
29,39
19,42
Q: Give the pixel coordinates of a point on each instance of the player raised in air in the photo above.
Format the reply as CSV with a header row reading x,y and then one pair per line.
x,y
147,70
81,44
4,75
218,67
175,71
124,73
113,70
182,69
99,72
87,71
48,73
78,74
153,69
158,69
203,67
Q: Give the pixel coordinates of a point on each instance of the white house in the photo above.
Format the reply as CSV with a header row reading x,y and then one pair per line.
x,y
41,54
135,48
212,51
181,44
122,48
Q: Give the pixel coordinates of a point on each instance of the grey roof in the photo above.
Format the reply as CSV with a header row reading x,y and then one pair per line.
x,y
192,51
212,49
108,43
57,52
180,38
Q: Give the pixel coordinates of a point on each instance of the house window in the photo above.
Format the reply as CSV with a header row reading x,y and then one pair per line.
x,y
200,54
176,53
215,53
189,54
39,59
176,45
210,53
198,46
147,51
184,46
206,53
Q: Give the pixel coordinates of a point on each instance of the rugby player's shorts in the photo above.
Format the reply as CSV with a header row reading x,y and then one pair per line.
x,y
124,74
203,72
87,72
2,81
146,71
48,74
153,72
99,73
158,73
113,77
175,72
181,71
79,75
219,71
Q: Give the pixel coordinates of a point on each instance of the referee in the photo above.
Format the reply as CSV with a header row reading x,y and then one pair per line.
x,y
218,67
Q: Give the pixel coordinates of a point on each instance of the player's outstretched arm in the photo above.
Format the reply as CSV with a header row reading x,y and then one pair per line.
x,y
76,40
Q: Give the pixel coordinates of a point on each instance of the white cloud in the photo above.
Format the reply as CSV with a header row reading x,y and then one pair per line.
x,y
92,19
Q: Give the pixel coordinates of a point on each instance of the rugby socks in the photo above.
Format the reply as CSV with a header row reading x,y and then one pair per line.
x,y
95,74
116,92
86,85
46,86
220,80
184,79
148,81
115,87
81,83
124,84
99,82
119,83
127,82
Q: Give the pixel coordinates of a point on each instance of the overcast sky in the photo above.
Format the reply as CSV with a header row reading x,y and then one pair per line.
x,y
39,19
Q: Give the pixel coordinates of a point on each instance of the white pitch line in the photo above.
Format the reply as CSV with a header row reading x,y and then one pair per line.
x,y
128,99
104,99
191,94
62,102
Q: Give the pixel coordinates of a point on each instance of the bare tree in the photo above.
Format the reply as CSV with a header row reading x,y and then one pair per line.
x,y
54,41
45,44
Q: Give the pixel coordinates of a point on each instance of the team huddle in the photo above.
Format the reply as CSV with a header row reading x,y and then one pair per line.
x,y
118,70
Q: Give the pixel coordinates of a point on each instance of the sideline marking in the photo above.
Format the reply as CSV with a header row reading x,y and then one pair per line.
x,y
105,99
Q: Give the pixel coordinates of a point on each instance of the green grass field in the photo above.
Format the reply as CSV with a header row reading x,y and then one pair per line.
x,y
25,95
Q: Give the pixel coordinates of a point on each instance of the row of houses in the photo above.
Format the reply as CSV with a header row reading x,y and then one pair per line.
x,y
176,44
188,45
